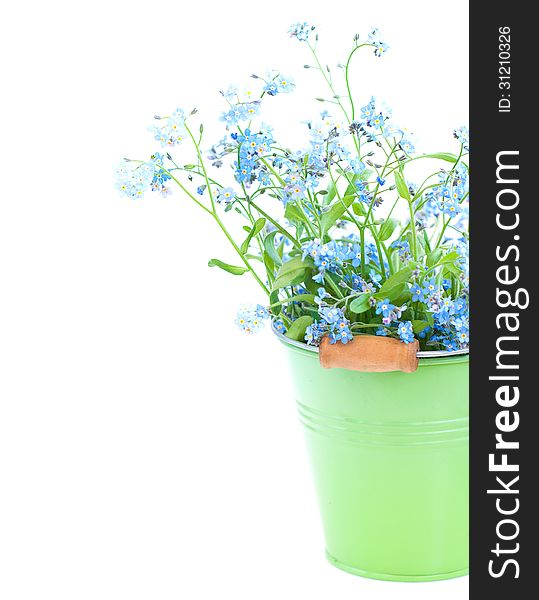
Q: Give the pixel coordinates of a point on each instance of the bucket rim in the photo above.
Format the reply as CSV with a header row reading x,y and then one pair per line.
x,y
421,354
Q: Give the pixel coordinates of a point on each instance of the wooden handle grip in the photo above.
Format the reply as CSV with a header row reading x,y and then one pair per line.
x,y
370,353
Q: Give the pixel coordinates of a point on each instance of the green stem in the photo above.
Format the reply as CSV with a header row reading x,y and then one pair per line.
x,y
347,78
276,224
218,220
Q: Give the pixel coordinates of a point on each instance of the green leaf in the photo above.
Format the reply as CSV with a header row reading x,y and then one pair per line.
x,y
359,209
274,300
270,266
361,303
271,251
310,284
291,272
426,242
448,157
340,206
387,229
309,298
449,258
336,211
294,214
330,194
402,188
394,258
254,257
401,295
434,257
392,286
296,331
453,269
418,325
259,224
214,262
351,189
437,259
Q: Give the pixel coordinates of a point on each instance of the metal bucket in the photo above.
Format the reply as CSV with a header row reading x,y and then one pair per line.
x,y
389,455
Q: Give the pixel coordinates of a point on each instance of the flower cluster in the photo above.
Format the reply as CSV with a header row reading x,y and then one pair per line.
x,y
333,323
334,232
301,31
332,256
251,146
172,132
133,179
447,198
250,319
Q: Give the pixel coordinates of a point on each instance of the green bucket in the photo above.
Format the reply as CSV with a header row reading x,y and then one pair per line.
x,y
389,454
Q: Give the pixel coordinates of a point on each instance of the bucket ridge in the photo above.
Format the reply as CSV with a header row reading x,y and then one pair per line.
x,y
353,430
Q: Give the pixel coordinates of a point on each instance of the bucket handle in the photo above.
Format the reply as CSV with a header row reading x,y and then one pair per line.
x,y
370,354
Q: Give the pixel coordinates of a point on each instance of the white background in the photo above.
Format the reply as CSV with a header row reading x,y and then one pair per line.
x,y
147,450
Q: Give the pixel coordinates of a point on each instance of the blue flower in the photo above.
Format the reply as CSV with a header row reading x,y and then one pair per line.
x,y
377,121
459,306
279,326
160,176
418,294
245,171
296,191
271,88
384,308
285,84
357,166
336,324
429,287
423,333
356,255
450,207
263,177
369,287
133,179
463,136
375,277
403,248
250,319
319,277
407,146
301,31
340,333
235,115
314,333
363,192
332,256
321,295
331,315
367,111
406,332
356,281
381,181
173,130
226,195
463,336
262,311
380,47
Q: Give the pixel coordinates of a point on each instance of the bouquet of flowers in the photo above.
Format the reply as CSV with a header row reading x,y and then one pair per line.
x,y
337,236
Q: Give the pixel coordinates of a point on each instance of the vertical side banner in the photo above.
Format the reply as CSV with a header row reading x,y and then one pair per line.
x,y
504,265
